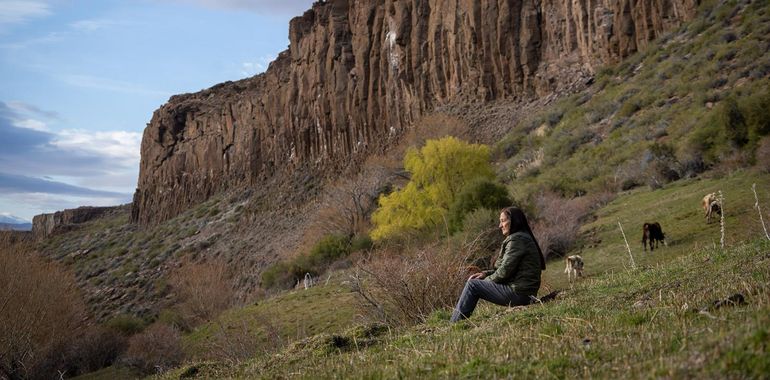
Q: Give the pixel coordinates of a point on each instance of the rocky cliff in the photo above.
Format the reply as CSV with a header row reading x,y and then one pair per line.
x,y
44,225
358,72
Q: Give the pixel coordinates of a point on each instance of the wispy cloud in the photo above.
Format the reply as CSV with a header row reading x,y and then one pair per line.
x,y
20,11
93,24
292,7
18,106
19,184
45,171
74,153
106,84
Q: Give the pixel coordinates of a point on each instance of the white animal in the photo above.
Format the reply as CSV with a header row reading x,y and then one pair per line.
x,y
308,282
574,266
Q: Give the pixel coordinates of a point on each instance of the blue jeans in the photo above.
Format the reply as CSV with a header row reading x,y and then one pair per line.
x,y
476,289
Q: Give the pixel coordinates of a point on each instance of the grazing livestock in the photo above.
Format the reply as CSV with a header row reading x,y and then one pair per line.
x,y
308,281
574,267
711,206
654,233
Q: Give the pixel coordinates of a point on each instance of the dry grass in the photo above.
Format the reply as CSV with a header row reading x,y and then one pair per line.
x,y
204,290
40,312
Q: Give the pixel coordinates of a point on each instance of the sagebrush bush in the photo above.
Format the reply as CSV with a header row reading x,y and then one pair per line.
x,y
126,324
409,286
204,290
156,349
479,236
41,312
557,225
330,248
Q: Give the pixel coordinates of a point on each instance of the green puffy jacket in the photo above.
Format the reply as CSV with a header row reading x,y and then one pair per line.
x,y
518,265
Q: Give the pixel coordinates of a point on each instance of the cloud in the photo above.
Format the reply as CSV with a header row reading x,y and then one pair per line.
x,y
292,7
93,25
17,106
82,155
20,11
19,184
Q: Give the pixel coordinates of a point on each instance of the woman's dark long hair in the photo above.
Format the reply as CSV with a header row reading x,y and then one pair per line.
x,y
519,224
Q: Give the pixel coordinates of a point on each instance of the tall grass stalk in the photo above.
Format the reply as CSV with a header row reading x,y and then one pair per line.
x,y
633,263
722,219
759,210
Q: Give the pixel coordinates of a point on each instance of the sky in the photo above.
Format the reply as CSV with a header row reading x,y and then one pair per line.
x,y
79,81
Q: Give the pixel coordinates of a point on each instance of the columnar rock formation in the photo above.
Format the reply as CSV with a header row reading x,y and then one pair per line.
x,y
358,72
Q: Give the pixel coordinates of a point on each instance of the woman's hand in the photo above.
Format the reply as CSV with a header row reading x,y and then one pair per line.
x,y
479,276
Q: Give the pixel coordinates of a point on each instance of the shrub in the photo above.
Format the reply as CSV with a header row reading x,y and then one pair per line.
x,y
282,275
204,290
663,167
330,248
157,349
762,155
480,193
97,348
361,242
126,325
757,118
410,286
480,236
346,205
558,221
730,120
40,313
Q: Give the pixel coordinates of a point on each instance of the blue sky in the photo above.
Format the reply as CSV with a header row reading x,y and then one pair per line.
x,y
79,81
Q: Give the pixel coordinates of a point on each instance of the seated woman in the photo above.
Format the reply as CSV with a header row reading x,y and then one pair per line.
x,y
516,276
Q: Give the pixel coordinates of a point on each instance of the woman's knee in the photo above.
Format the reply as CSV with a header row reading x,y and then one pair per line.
x,y
473,284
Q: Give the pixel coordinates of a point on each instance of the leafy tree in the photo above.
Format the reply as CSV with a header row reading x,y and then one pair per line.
x,y
439,170
478,194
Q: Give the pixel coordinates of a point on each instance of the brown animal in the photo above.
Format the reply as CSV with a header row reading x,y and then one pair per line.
x,y
711,206
654,233
574,267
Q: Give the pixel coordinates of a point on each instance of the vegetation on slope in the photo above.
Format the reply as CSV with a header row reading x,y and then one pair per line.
x,y
704,314
696,99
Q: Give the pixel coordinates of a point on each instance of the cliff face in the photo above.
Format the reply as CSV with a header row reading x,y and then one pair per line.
x,y
44,225
358,72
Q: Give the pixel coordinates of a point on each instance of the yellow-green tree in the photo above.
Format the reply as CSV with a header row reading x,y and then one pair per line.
x,y
438,172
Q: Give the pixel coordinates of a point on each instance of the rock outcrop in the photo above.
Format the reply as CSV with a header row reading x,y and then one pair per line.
x,y
44,225
358,72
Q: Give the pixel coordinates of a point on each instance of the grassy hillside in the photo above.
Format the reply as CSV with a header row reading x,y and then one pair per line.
x,y
663,128
686,117
660,320
696,99
677,207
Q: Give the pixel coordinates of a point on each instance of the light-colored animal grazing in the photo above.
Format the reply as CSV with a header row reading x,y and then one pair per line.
x,y
574,267
654,233
711,206
308,281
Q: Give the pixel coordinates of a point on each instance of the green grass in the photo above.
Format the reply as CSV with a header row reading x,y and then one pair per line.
x,y
614,323
661,94
292,316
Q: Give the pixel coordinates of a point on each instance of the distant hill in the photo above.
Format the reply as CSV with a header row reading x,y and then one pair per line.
x,y
15,226
9,222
